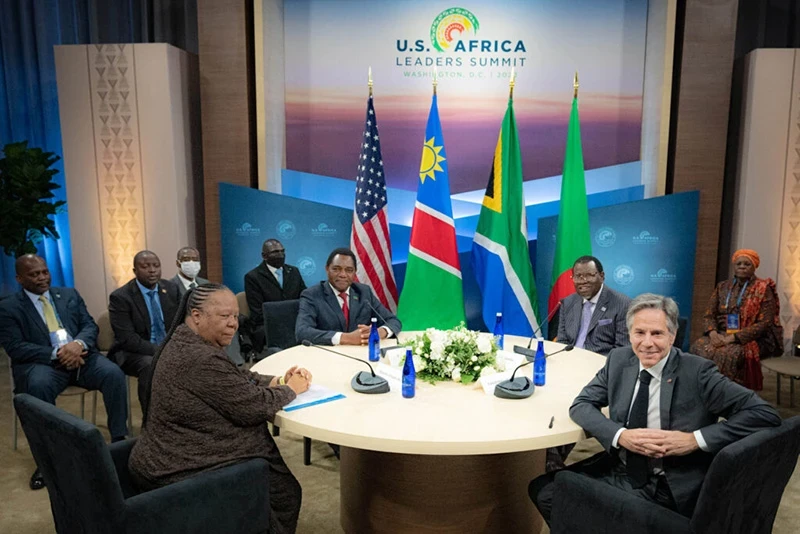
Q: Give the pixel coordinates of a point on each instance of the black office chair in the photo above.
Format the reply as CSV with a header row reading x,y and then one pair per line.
x,y
90,487
279,321
740,494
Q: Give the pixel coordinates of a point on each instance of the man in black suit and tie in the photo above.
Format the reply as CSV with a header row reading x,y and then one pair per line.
x,y
272,281
593,318
664,422
188,264
51,340
339,310
141,312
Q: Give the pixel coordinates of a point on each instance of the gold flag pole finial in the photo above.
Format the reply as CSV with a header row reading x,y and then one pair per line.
x,y
369,82
512,83
575,86
435,79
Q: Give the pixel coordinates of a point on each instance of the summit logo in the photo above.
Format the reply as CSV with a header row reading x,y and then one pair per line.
x,y
645,238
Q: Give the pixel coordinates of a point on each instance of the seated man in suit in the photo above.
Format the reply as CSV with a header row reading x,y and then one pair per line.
x,y
593,318
339,311
188,263
141,313
664,404
272,281
51,340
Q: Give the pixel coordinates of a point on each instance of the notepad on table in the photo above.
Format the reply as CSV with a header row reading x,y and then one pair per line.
x,y
316,394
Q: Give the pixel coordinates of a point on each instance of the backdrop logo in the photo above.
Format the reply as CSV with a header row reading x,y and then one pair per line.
x,y
248,230
605,237
323,230
663,276
286,229
644,238
623,275
450,25
306,265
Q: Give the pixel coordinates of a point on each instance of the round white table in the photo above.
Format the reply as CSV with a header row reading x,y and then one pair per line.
x,y
452,459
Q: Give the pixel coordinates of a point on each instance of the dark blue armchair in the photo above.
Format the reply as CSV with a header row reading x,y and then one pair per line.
x,y
91,491
740,494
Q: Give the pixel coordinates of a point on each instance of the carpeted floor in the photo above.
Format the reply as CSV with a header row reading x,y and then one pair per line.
x,y
23,511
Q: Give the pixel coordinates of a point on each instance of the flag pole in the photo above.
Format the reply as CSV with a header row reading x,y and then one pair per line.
x,y
369,82
575,86
512,83
435,79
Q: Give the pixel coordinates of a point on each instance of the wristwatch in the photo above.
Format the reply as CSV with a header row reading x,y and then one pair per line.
x,y
82,343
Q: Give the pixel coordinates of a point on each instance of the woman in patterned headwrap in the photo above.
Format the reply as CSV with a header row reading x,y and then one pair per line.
x,y
742,323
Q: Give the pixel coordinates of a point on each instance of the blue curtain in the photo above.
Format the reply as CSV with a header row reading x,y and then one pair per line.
x,y
29,29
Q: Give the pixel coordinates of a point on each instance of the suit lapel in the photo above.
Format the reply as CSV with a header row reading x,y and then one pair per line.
x,y
138,301
630,375
668,380
355,305
271,277
333,302
61,309
33,315
574,327
599,309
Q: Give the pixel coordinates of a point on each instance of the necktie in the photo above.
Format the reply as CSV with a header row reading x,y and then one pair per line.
x,y
586,318
279,276
345,309
637,464
192,285
156,321
49,314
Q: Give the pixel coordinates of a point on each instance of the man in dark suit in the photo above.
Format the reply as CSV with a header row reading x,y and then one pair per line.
x,y
593,318
339,310
188,264
141,312
664,408
272,281
51,340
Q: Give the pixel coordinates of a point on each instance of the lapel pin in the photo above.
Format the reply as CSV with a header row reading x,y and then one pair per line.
x,y
164,291
669,381
603,308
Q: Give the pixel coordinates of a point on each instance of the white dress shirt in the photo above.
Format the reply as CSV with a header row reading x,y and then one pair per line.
x,y
186,283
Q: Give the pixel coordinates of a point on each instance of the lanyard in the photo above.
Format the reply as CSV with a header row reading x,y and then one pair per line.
x,y
741,294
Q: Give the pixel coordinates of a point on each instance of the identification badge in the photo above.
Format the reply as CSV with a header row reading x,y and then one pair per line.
x,y
732,323
59,338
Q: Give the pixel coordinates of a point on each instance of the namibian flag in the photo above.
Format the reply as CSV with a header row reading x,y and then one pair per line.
x,y
432,295
500,249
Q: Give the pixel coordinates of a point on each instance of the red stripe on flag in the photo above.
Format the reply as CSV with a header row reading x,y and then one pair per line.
x,y
561,289
435,238
390,283
366,262
373,236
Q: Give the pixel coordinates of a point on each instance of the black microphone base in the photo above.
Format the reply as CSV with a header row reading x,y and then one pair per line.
x,y
530,354
519,388
364,382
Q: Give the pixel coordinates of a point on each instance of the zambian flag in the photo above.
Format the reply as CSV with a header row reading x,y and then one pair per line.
x,y
432,294
500,249
573,238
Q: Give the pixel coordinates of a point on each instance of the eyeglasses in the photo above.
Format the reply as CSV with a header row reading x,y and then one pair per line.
x,y
585,277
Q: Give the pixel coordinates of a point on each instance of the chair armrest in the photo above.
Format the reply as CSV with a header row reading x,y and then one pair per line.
x,y
230,499
604,508
120,452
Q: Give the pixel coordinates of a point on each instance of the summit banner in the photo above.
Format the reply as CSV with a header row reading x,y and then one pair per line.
x,y
471,48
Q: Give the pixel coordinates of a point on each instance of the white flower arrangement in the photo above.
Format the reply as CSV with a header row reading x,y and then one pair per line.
x,y
459,354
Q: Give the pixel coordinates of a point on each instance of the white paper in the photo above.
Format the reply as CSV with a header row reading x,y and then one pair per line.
x,y
315,394
395,356
488,382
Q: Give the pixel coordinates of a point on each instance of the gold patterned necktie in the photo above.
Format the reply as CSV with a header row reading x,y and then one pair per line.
x,y
49,314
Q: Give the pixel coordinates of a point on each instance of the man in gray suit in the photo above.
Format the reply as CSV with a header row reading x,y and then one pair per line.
x,y
593,318
339,311
664,406
188,263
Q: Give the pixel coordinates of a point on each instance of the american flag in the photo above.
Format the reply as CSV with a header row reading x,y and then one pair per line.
x,y
370,237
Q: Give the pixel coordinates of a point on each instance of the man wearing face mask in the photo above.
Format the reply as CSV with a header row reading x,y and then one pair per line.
x,y
272,281
188,263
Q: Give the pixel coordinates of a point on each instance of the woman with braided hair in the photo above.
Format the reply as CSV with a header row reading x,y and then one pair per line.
x,y
205,413
742,323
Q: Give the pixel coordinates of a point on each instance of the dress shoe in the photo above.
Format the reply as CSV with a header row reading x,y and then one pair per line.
x,y
37,482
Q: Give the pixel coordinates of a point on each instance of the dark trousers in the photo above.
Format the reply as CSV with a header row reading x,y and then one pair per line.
x,y
46,382
285,497
137,365
610,470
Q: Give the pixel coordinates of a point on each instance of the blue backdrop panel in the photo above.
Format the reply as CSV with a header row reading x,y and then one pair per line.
x,y
308,230
645,247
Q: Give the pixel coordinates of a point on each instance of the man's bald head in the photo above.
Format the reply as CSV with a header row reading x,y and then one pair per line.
x,y
32,273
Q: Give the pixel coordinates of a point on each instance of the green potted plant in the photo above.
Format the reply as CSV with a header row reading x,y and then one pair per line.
x,y
26,193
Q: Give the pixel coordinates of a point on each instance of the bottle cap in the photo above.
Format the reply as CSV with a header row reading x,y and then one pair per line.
x,y
374,319
499,314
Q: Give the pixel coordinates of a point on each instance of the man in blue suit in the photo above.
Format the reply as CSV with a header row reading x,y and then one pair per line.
x,y
339,311
51,340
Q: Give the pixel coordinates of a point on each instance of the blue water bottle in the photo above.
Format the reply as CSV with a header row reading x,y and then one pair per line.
x,y
498,330
539,365
409,376
374,342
